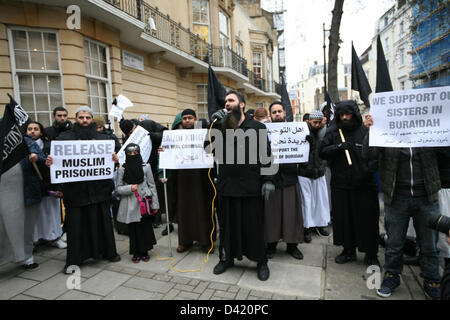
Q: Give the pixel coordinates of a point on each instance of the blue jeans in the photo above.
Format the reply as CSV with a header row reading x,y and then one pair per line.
x,y
396,220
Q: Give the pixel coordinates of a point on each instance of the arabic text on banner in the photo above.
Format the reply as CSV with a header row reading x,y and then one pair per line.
x,y
81,160
412,118
288,141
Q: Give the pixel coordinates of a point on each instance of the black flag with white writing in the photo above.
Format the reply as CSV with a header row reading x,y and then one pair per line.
x,y
13,147
359,79
216,93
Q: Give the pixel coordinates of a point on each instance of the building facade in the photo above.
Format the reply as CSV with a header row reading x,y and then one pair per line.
x,y
154,52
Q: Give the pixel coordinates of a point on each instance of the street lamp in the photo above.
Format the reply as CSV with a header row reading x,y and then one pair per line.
x,y
325,33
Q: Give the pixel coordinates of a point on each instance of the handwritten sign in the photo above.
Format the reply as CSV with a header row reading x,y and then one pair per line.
x,y
288,141
140,137
412,118
81,160
184,149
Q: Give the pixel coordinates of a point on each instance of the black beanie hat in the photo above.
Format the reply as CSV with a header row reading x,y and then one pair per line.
x,y
126,126
189,111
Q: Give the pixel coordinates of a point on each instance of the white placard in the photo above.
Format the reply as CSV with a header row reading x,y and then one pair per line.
x,y
81,160
288,141
140,137
184,149
132,60
411,118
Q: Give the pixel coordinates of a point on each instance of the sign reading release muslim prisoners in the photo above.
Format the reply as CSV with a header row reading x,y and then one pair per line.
x,y
184,149
142,139
288,141
81,160
412,118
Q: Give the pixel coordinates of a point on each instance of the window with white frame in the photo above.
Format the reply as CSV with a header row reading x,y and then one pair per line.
x,y
257,69
200,21
97,76
202,101
386,45
239,49
269,73
224,28
402,56
36,67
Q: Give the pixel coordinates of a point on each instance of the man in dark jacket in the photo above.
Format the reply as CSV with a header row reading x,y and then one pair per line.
x,y
354,194
60,123
313,184
100,122
283,210
88,219
409,179
239,185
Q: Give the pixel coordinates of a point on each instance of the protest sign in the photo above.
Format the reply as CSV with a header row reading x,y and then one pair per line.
x,y
288,141
140,137
411,118
184,149
81,160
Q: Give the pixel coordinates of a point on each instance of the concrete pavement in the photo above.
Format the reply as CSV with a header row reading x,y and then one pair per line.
x,y
316,277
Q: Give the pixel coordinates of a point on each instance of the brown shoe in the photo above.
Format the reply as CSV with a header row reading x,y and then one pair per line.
x,y
182,248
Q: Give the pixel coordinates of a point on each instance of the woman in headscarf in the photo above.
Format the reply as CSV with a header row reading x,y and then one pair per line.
x,y
135,179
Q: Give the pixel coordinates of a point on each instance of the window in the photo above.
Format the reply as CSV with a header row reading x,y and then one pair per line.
x,y
35,60
257,69
259,105
269,73
200,18
386,45
202,101
239,49
402,56
224,28
401,29
97,76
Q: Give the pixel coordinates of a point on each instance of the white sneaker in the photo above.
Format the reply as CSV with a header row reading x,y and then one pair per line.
x,y
59,244
64,237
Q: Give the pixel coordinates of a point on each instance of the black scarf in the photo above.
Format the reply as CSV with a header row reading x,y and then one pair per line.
x,y
134,173
85,133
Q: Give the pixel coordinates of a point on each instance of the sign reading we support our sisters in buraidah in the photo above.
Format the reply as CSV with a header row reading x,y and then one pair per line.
x,y
411,118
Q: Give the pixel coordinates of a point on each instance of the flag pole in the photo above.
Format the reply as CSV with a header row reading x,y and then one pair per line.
x,y
347,154
37,170
167,212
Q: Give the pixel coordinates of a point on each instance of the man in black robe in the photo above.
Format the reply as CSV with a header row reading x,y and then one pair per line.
x,y
194,194
88,219
240,186
354,194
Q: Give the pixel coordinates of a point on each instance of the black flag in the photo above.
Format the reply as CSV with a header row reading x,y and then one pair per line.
x,y
282,91
330,108
216,93
13,147
383,79
359,79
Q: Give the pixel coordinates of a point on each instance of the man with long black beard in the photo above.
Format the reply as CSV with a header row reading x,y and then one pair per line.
x,y
88,219
240,187
194,194
354,194
283,210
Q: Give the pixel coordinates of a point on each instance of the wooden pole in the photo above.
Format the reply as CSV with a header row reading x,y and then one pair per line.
x,y
349,160
37,170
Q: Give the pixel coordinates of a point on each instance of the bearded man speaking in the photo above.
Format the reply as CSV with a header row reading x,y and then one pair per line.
x,y
354,195
241,187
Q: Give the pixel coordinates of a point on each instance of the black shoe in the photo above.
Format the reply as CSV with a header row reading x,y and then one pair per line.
x,y
372,261
307,233
114,259
263,271
164,232
346,256
411,261
322,231
31,267
222,266
294,251
271,249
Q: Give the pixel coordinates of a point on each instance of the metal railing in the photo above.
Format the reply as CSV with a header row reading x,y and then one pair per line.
x,y
226,57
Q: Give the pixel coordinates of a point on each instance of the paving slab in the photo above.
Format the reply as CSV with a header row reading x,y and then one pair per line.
x,y
193,260
286,279
104,282
124,293
46,270
150,285
51,288
312,255
78,295
10,270
14,286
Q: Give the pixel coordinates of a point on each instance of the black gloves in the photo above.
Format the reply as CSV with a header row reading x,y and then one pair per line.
x,y
309,138
345,146
219,115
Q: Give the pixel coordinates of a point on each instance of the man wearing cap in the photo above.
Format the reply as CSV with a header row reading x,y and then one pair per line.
x,y
282,211
88,219
313,185
354,194
194,194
